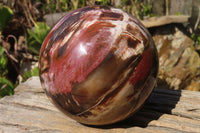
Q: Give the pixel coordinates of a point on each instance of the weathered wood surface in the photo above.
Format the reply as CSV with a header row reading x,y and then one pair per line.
x,y
163,20
29,110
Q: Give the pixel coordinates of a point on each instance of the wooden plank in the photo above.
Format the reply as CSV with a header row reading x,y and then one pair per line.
x,y
163,20
29,110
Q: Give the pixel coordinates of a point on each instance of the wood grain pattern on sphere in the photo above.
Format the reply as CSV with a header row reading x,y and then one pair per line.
x,y
98,65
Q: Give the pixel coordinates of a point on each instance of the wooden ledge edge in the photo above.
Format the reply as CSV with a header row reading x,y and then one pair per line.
x,y
163,20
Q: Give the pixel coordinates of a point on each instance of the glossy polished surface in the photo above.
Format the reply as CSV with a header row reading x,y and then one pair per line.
x,y
98,65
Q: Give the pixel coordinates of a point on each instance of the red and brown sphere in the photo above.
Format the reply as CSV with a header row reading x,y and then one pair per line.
x,y
98,65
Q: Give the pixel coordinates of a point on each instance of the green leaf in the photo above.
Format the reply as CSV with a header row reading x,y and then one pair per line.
x,y
36,36
3,61
1,50
6,87
28,74
6,15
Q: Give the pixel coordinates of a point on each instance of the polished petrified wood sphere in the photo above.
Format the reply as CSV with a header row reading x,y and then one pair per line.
x,y
98,65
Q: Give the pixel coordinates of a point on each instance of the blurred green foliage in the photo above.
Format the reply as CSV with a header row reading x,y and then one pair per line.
x,y
28,74
178,14
6,15
146,10
36,36
3,62
6,87
196,39
138,8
